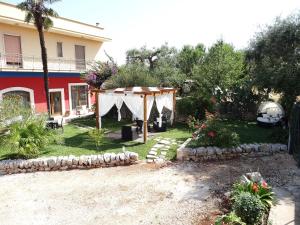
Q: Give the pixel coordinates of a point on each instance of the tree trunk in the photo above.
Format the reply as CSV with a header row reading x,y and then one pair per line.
x,y
45,65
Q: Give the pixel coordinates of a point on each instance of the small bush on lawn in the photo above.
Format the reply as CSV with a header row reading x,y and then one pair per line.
x,y
28,137
210,133
229,219
262,190
97,135
249,208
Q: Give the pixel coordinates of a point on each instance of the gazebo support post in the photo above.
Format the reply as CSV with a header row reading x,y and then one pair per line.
x,y
98,117
145,119
174,106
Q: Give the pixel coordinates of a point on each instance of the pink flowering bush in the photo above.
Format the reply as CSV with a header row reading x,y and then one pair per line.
x,y
99,73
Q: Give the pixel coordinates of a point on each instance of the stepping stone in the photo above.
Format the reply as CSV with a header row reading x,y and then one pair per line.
x,y
149,161
162,157
167,147
151,157
158,146
166,142
163,153
152,153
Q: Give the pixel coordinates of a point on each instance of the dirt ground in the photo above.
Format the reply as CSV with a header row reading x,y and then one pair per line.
x,y
180,193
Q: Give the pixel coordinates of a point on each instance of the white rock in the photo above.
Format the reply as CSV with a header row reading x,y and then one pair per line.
x,y
106,157
51,162
100,158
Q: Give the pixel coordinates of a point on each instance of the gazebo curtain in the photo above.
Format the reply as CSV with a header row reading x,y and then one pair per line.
x,y
162,101
135,104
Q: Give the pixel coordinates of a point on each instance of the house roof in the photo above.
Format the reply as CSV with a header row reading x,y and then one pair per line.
x,y
10,14
138,90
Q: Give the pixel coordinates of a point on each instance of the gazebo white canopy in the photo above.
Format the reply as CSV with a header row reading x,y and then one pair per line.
x,y
139,101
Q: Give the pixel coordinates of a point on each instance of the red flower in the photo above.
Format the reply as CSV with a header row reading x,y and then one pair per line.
x,y
211,134
203,126
264,184
255,187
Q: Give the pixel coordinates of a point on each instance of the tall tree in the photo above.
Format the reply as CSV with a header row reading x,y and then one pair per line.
x,y
274,57
221,70
150,57
189,56
38,13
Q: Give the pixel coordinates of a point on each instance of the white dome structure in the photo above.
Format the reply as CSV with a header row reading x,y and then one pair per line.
x,y
270,113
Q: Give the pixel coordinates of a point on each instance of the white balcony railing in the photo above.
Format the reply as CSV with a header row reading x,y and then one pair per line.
x,y
34,63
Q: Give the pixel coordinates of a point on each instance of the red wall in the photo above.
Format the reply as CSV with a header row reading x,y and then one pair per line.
x,y
37,85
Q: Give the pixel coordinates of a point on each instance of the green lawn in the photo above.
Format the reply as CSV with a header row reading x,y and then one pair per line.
x,y
250,132
76,141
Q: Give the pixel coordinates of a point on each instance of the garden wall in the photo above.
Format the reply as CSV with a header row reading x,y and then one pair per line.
x,y
67,162
214,153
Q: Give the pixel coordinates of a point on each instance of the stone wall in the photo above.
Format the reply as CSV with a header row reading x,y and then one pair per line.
x,y
67,162
214,153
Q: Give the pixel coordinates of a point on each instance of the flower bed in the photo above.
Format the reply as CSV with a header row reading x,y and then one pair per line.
x,y
251,200
211,133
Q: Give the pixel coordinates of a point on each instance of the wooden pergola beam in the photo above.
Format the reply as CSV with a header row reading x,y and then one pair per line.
x,y
145,131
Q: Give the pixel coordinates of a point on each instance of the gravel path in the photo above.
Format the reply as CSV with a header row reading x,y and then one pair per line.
x,y
181,193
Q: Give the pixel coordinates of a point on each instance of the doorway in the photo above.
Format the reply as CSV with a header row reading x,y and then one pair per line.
x,y
55,103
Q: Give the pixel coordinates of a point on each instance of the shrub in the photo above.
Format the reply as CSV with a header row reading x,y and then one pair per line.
x,y
192,106
262,190
132,75
193,123
229,219
12,109
249,208
28,137
211,133
97,135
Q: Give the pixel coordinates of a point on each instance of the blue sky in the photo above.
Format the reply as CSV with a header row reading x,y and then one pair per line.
x,y
134,23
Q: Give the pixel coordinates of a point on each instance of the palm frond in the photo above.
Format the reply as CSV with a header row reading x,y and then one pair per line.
x,y
50,12
47,23
24,6
28,17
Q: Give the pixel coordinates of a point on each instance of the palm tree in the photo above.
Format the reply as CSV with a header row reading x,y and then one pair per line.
x,y
38,13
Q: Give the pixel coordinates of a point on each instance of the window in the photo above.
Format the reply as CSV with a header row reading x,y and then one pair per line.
x,y
23,95
80,57
13,54
79,95
59,48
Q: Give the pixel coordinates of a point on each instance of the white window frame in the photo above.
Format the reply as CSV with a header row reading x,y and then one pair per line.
x,y
63,103
70,95
31,94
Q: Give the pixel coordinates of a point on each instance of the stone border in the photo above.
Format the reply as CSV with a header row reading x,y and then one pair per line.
x,y
67,162
214,153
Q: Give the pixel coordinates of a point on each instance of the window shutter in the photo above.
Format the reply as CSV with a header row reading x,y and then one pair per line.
x,y
13,49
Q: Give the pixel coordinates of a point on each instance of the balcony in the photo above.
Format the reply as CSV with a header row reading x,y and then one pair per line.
x,y
17,62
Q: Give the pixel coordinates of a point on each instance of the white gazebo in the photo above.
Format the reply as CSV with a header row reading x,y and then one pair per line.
x,y
139,101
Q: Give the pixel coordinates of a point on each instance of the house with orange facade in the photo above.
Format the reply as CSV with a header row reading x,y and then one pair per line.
x,y
71,46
